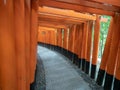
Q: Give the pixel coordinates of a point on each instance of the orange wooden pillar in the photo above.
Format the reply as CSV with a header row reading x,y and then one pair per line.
x,y
117,72
73,42
20,40
76,41
59,35
65,42
49,38
70,44
89,44
65,38
8,70
111,63
54,39
33,39
105,55
80,44
27,41
84,45
95,47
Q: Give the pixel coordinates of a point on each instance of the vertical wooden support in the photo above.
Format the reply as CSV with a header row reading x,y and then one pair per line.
x,y
117,73
80,44
110,70
59,39
105,55
84,45
70,44
89,44
27,41
8,70
48,38
95,47
73,42
76,41
19,5
65,38
33,38
54,33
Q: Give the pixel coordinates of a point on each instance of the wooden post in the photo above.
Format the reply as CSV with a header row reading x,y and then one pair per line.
x,y
65,38
84,45
8,70
110,69
73,42
65,41
95,47
105,55
59,39
76,45
80,44
33,39
70,44
117,73
89,42
19,5
27,41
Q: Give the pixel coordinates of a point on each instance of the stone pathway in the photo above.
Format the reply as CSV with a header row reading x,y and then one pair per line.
x,y
60,73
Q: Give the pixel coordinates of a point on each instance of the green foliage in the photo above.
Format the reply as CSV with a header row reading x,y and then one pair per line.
x,y
104,26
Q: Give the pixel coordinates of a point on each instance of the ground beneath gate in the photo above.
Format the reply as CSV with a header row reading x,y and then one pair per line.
x,y
56,72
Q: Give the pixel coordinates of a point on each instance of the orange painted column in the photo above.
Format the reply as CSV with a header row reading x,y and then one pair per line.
x,y
33,39
53,37
117,72
95,47
73,38
65,38
49,38
20,44
84,45
70,39
69,53
8,70
111,63
80,44
89,46
76,41
27,41
59,35
105,55
72,43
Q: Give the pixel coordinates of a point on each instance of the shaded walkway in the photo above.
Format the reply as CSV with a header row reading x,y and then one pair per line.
x,y
60,73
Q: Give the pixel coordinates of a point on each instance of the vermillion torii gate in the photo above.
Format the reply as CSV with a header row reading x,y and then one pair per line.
x,y
18,38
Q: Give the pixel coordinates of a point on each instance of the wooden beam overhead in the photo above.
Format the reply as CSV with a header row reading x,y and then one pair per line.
x,y
61,19
52,25
108,2
89,3
67,13
63,5
46,28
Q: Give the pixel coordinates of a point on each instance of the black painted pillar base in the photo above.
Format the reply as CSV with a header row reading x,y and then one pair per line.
x,y
93,71
66,53
70,55
100,77
73,55
108,81
116,84
79,65
56,48
76,59
87,67
83,64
